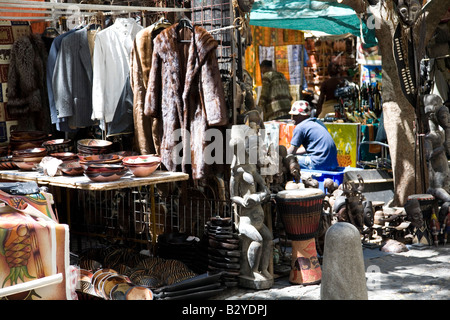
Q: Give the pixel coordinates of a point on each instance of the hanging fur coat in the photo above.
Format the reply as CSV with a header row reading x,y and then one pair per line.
x,y
185,91
146,141
27,92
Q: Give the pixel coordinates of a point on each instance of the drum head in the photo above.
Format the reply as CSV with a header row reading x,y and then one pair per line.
x,y
299,193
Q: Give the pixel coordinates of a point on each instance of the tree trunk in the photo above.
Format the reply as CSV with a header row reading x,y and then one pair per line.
x,y
399,114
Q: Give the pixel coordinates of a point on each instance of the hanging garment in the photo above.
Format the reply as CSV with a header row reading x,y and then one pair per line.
x,y
72,80
27,93
295,66
111,67
185,91
60,123
146,141
122,122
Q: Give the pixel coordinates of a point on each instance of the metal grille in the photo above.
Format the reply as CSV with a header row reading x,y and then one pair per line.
x,y
217,15
129,216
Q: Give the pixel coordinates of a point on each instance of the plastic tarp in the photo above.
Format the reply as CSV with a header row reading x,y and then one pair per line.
x,y
309,15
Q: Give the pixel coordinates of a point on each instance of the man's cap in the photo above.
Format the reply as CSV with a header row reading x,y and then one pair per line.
x,y
300,107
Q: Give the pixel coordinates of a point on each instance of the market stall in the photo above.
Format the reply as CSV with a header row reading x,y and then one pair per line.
x,y
144,125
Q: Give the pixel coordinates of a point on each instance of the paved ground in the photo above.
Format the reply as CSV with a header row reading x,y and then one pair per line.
x,y
419,274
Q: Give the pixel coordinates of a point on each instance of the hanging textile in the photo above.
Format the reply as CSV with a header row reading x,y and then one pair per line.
x,y
146,141
270,37
10,31
185,91
265,36
111,67
295,66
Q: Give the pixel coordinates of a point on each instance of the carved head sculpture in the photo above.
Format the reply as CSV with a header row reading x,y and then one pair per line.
x,y
431,103
369,214
443,116
408,10
414,213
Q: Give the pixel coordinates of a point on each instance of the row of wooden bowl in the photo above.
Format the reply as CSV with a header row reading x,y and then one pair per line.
x,y
110,167
91,159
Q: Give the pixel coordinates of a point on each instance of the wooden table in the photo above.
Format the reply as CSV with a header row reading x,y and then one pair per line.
x,y
84,183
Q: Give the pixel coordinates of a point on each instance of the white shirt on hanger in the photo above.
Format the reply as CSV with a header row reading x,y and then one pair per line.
x,y
111,66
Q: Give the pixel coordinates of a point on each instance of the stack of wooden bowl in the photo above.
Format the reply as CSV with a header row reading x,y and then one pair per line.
x,y
28,159
86,160
143,165
223,250
93,146
20,140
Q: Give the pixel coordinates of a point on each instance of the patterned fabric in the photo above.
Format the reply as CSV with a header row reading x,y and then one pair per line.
x,y
267,37
286,133
294,61
10,31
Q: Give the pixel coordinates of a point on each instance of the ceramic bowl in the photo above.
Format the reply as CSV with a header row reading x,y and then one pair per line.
x,y
58,145
101,158
140,160
143,165
26,166
93,146
7,163
103,167
143,170
125,153
28,159
118,292
110,282
85,281
64,156
27,135
139,293
102,176
71,168
30,153
100,274
20,140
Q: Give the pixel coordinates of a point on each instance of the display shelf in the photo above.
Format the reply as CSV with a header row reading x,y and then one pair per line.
x,y
82,182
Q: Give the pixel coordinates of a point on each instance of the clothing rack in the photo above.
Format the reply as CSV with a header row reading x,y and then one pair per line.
x,y
52,10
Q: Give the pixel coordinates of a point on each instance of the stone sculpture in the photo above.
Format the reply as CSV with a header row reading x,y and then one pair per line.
x,y
248,191
343,271
435,148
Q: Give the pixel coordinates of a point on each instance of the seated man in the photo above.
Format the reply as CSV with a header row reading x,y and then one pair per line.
x,y
311,141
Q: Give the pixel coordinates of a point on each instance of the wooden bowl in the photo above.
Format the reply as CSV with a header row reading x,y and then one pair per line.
x,y
71,168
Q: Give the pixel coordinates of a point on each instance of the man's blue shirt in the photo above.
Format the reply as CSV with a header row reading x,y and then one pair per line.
x,y
318,143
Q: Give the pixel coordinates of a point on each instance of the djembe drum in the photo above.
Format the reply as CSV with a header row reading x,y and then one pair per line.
x,y
300,212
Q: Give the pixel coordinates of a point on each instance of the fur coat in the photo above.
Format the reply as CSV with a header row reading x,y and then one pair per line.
x,y
146,129
185,91
27,92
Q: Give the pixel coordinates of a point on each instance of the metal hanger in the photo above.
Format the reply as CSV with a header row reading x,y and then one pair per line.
x,y
184,22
